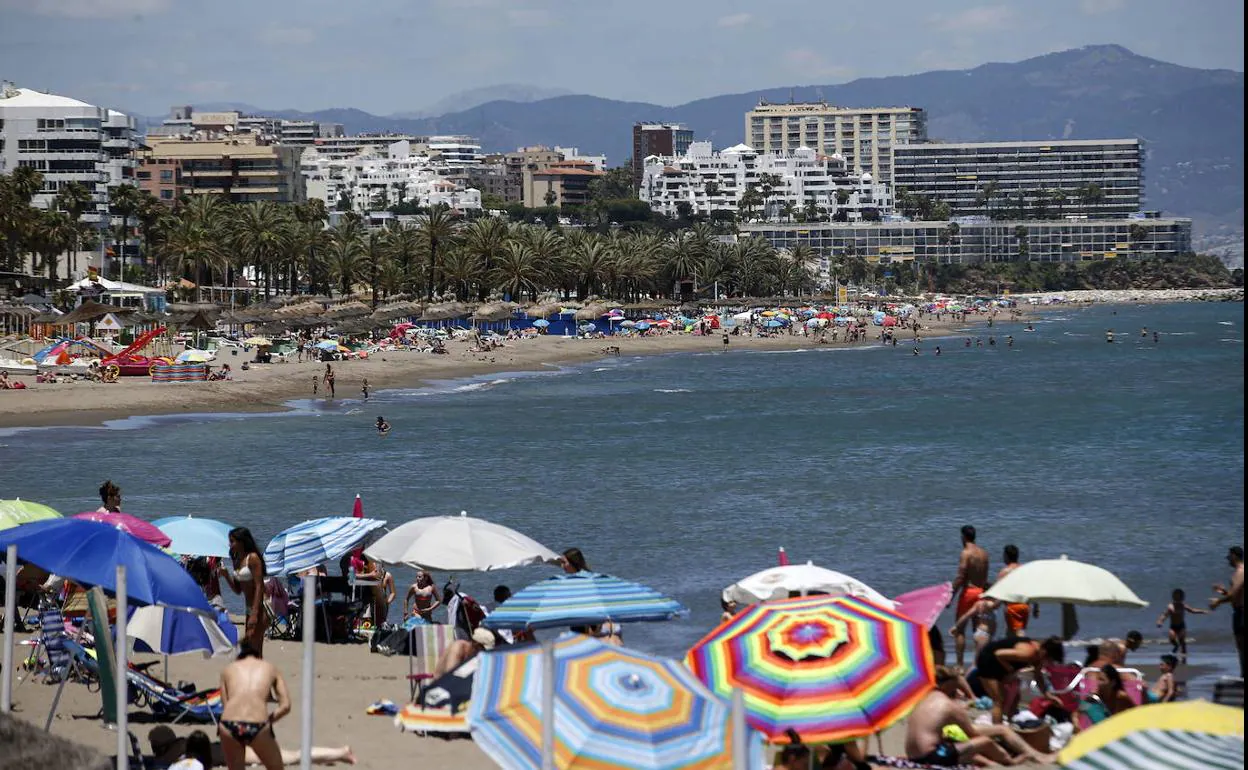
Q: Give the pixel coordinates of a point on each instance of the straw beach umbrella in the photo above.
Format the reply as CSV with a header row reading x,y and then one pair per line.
x,y
591,312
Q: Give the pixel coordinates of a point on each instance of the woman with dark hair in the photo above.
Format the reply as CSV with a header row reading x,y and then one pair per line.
x,y
110,496
247,578
196,753
573,561
1110,697
997,666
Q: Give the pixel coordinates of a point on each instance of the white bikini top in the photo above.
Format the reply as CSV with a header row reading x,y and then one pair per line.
x,y
243,574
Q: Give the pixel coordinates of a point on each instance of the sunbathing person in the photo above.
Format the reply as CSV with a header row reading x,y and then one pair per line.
x,y
926,742
460,651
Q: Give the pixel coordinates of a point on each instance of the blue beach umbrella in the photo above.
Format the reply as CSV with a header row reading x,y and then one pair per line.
x,y
175,632
316,542
89,553
643,325
774,324
582,599
196,537
327,345
541,323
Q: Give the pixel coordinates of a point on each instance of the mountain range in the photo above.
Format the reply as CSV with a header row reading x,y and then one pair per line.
x,y
1191,120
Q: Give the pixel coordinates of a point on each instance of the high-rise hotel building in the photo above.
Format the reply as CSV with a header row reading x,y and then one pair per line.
x,y
863,136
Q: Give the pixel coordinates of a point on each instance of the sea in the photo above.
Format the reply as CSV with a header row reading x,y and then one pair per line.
x,y
689,471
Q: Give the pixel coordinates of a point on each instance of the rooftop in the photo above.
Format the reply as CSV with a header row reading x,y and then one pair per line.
x,y
26,97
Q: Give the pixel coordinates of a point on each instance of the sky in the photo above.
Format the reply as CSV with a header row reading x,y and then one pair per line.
x,y
387,56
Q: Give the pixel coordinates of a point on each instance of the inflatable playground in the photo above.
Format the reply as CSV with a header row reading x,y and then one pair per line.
x,y
85,356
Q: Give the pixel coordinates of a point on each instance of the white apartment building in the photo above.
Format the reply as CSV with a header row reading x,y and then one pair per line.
x,y
709,181
375,181
186,121
454,151
864,136
67,140
599,162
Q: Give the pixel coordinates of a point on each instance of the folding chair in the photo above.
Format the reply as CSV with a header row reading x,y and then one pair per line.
x,y
165,702
50,643
425,644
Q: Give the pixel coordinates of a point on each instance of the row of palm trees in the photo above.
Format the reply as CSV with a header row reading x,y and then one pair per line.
x,y
290,248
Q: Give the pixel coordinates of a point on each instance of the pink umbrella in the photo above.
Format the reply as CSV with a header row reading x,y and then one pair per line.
x,y
924,605
131,525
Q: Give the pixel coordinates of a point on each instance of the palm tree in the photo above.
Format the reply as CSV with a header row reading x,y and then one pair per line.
x,y
1091,195
345,258
54,233
74,199
587,262
463,269
986,194
375,248
516,270
191,248
682,257
305,253
152,216
258,232
403,250
437,229
123,202
485,239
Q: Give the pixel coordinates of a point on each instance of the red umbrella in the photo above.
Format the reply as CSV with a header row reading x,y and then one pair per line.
x,y
924,605
131,525
358,511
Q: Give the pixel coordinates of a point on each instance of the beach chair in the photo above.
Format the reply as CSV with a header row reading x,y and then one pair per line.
x,y
277,605
425,645
166,702
49,658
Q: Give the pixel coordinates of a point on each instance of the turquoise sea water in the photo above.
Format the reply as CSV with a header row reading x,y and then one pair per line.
x,y
688,471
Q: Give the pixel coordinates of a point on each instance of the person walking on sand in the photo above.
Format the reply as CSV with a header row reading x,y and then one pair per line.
x,y
1177,611
246,686
971,580
1234,595
329,380
247,578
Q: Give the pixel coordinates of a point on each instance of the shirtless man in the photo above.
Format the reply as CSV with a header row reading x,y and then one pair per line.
x,y
246,685
926,743
461,651
1016,614
971,581
1234,595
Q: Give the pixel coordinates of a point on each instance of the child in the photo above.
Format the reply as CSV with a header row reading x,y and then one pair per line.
x,y
383,427
315,382
364,389
1178,623
1165,690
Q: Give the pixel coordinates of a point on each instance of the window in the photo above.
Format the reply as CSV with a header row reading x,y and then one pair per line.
x,y
166,195
166,175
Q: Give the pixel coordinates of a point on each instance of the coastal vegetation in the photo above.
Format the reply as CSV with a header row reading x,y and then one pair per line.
x,y
516,253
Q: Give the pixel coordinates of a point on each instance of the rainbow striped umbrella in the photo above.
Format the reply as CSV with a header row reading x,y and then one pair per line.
x,y
613,708
832,668
582,599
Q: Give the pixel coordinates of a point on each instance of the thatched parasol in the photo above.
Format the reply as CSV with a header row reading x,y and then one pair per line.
x,y
302,308
444,312
543,310
26,746
591,312
89,311
349,310
493,311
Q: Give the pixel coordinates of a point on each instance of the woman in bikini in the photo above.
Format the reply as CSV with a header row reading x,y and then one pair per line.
x,y
422,596
246,686
248,579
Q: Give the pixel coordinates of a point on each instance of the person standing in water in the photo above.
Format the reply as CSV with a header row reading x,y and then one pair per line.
x,y
364,388
329,380
1233,595
1017,614
383,427
110,496
968,586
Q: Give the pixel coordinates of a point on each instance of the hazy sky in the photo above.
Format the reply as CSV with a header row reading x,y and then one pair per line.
x,y
394,55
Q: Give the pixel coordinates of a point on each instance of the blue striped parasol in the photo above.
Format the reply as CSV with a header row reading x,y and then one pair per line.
x,y
315,542
582,599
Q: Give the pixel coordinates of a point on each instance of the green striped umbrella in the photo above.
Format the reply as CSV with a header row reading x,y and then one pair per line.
x,y
1166,750
17,512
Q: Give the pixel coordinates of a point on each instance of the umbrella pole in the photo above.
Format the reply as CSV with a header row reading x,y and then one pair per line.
x,y
740,734
309,640
123,688
548,705
10,609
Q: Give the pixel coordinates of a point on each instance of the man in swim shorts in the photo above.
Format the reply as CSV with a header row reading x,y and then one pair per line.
x,y
246,685
971,581
1017,614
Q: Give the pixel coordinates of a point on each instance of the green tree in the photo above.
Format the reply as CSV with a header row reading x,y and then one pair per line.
x,y
987,194
516,270
615,184
123,203
485,240
258,232
192,249
345,258
74,199
437,230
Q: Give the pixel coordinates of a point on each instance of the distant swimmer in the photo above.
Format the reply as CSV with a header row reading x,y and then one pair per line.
x,y
1109,335
916,351
1144,332
725,340
383,427
1009,340
1156,338
968,342
992,341
979,342
1029,328
938,350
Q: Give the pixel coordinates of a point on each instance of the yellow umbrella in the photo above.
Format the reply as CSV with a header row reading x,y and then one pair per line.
x,y
1134,732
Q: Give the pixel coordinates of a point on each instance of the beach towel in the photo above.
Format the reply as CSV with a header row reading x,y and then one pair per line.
x,y
888,761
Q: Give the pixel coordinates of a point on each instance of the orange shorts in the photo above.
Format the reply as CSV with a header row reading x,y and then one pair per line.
x,y
967,600
1016,617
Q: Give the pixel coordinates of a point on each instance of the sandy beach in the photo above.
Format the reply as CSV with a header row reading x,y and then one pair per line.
x,y
348,679
269,387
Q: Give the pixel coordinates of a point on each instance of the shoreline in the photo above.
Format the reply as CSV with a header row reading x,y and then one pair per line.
x,y
269,388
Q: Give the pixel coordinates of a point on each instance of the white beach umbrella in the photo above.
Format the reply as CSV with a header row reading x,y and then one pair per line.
x,y
1066,581
458,543
779,582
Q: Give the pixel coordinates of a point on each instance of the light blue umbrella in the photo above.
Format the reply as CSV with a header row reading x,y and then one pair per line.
x,y
643,325
316,542
774,324
541,323
327,344
582,599
196,537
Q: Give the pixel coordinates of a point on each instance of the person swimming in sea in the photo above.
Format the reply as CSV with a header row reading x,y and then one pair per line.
x,y
383,427
1030,328
1109,335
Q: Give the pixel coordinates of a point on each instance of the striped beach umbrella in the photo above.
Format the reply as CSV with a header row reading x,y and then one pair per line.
x,y
582,599
831,668
1174,736
316,542
613,708
14,513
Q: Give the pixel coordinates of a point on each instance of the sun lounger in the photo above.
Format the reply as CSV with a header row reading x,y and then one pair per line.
x,y
165,701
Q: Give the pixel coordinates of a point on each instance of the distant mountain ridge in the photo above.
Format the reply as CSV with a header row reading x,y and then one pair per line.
x,y
1190,119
